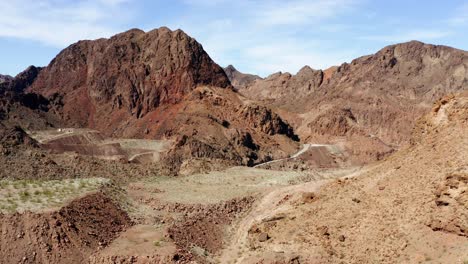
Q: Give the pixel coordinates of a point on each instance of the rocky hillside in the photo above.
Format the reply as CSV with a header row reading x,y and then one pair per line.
x,y
148,85
217,124
238,79
410,208
373,99
29,111
76,231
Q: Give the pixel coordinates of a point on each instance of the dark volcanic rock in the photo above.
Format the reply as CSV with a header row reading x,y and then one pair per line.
x,y
14,136
25,110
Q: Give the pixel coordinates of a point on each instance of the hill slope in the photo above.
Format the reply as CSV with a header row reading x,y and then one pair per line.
x,y
374,100
410,208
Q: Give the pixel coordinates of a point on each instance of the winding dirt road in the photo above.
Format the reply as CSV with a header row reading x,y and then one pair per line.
x,y
267,207
305,147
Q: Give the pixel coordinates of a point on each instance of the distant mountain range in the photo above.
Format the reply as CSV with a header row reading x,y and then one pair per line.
x,y
162,84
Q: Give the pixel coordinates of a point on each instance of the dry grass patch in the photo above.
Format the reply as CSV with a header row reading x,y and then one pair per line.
x,y
36,195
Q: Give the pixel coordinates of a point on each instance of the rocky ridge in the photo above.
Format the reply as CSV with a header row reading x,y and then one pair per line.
x,y
384,92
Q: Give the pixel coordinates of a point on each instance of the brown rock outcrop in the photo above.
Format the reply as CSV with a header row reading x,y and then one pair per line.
x,y
20,82
217,124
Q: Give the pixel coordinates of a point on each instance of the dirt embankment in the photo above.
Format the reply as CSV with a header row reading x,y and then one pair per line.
x,y
69,235
205,226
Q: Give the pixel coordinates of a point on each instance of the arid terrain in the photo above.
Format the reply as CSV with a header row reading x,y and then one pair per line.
x,y
139,148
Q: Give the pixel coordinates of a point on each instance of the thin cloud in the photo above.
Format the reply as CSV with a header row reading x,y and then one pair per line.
x,y
292,55
410,35
268,36
300,12
56,23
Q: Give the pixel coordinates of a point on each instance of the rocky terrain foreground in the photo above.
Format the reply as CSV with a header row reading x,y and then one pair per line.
x,y
140,149
410,208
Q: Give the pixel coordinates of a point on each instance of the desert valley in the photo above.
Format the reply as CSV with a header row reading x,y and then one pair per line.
x,y
139,148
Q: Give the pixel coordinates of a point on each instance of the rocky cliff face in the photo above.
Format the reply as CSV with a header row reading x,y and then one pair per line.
x,y
385,92
31,111
128,75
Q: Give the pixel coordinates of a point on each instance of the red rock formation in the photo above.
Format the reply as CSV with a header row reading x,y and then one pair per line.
x,y
129,75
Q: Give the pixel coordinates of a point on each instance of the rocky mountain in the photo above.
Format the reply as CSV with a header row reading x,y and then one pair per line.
x,y
161,85
406,205
280,85
218,124
372,101
238,79
126,76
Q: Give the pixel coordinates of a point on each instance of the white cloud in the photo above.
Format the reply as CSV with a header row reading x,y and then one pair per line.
x,y
423,35
292,55
300,11
58,23
267,36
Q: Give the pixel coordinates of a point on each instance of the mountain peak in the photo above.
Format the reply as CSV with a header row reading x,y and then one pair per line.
x,y
134,72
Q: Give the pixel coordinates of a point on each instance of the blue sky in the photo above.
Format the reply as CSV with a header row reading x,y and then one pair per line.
x,y
256,36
